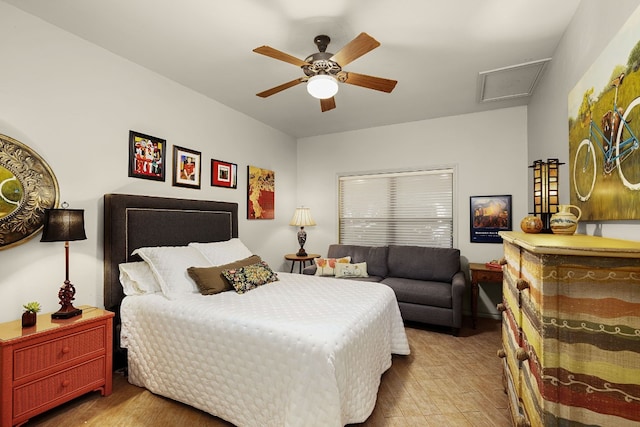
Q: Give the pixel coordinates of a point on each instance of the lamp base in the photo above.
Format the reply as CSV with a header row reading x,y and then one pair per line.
x,y
72,312
302,238
66,294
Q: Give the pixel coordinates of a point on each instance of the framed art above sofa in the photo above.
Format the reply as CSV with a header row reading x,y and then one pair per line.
x,y
488,216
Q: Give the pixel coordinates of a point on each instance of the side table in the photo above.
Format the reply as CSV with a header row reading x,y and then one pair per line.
x,y
56,360
302,260
480,273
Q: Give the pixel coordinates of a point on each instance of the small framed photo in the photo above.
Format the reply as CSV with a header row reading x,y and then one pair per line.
x,y
146,156
186,167
489,215
224,174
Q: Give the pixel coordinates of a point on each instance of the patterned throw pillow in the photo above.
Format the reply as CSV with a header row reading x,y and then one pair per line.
x,y
326,266
210,280
347,271
244,279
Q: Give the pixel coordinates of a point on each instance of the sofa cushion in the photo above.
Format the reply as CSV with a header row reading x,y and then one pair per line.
x,y
366,279
327,266
436,294
422,263
347,271
374,256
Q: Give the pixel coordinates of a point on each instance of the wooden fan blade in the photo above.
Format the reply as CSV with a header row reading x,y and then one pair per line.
x,y
276,54
280,88
328,104
370,82
355,49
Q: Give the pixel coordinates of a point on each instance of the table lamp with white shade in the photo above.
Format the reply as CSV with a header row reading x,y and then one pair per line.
x,y
302,218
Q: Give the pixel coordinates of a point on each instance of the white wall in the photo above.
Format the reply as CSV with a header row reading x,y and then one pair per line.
x,y
488,150
74,104
592,28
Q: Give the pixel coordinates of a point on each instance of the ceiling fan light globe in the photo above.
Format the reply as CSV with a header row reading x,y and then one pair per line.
x,y
322,86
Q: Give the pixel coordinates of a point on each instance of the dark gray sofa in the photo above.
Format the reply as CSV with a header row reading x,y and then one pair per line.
x,y
428,282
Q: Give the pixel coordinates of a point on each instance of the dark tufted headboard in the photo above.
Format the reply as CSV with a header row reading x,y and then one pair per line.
x,y
132,222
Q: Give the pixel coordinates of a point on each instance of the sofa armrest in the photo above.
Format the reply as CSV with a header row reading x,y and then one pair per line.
x,y
458,285
310,269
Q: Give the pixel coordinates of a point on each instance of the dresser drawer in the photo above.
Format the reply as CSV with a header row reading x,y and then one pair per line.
x,y
59,386
510,344
33,359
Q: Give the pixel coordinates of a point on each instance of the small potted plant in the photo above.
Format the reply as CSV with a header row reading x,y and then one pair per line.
x,y
29,316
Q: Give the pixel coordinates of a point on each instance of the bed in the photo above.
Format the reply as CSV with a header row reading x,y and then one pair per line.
x,y
299,351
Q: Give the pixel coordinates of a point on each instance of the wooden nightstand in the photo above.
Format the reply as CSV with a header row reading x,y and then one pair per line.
x,y
53,362
301,259
480,273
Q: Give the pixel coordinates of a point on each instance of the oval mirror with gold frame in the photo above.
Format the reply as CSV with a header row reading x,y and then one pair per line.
x,y
27,187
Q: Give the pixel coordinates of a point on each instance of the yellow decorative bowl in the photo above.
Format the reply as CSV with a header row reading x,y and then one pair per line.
x,y
531,224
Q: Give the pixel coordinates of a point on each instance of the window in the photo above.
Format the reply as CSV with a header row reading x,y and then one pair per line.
x,y
399,208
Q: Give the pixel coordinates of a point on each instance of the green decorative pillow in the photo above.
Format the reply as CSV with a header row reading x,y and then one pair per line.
x,y
347,271
210,280
250,277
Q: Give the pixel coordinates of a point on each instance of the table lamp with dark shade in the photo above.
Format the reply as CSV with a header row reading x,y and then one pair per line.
x,y
302,218
64,225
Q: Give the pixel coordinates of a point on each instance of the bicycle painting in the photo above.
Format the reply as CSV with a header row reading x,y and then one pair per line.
x,y
604,132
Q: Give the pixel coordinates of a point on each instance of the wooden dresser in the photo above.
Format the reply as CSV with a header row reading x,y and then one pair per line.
x,y
53,362
571,330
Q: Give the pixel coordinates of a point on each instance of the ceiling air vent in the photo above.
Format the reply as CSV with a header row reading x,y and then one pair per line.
x,y
510,82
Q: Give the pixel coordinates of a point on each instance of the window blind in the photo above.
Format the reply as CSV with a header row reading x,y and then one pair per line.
x,y
400,208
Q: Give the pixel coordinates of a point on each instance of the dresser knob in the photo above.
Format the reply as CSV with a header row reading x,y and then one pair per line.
x,y
501,307
503,261
522,421
66,383
66,350
522,284
521,354
501,353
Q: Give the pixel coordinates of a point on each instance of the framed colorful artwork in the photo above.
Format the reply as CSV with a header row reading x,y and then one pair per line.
x,y
186,167
604,130
224,174
489,215
261,191
146,156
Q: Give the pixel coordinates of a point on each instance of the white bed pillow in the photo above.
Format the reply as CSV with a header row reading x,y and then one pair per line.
x,y
226,252
169,265
138,279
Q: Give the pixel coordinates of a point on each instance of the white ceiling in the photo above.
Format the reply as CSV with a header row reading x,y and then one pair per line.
x,y
435,49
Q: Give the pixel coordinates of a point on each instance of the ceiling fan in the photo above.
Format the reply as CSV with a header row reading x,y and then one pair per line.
x,y
323,70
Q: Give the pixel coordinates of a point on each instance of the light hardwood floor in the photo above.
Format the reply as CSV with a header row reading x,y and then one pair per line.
x,y
446,381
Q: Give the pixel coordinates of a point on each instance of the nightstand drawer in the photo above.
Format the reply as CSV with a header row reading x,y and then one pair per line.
x,y
36,358
78,380
488,276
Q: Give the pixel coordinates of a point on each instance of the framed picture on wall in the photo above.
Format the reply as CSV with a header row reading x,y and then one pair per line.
x,y
604,107
186,167
261,193
224,174
489,215
146,156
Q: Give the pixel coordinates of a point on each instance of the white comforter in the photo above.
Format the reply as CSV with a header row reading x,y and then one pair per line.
x,y
303,351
